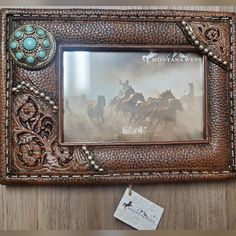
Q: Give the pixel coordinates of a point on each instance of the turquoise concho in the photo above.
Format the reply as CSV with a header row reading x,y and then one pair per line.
x,y
32,46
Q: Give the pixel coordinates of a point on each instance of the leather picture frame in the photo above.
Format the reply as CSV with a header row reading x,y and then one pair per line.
x,y
32,149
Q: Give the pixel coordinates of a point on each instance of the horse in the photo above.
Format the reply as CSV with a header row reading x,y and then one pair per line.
x,y
118,99
129,204
166,115
144,109
96,110
147,58
128,105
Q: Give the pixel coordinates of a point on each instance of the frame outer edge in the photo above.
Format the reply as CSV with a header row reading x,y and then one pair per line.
x,y
234,85
142,179
2,99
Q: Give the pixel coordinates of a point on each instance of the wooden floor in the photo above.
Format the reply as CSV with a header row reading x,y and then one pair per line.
x,y
196,206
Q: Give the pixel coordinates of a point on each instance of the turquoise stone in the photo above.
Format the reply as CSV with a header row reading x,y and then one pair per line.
x,y
46,43
19,55
42,54
40,32
30,59
14,45
30,44
29,29
18,34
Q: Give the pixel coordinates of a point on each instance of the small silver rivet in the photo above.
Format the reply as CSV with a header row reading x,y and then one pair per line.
x,y
90,157
55,107
220,59
190,33
210,54
84,147
19,86
27,85
183,23
36,92
186,28
206,50
201,47
47,98
23,82
215,57
14,89
87,152
225,63
42,95
52,102
193,38
196,42
100,170
92,162
96,167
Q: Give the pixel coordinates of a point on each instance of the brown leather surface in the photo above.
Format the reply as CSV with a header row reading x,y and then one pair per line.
x,y
143,163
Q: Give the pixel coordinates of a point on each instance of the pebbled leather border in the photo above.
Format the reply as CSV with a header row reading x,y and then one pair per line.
x,y
135,177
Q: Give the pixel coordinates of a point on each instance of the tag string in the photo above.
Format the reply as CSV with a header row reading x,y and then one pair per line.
x,y
130,189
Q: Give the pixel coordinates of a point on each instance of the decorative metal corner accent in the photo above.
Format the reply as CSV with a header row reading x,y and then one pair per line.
x,y
32,46
204,48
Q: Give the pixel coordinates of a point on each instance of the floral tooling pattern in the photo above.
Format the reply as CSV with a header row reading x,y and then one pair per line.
x,y
36,146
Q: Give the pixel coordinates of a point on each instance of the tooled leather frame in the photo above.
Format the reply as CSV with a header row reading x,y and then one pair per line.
x,y
121,164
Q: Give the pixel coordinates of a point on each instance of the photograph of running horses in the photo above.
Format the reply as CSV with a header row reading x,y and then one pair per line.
x,y
132,97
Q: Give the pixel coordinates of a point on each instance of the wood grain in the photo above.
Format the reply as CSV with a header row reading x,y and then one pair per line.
x,y
195,206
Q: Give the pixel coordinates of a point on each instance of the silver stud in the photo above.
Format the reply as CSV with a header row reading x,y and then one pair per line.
x,y
96,167
92,163
36,92
193,38
27,85
215,57
183,23
23,82
186,28
210,54
205,50
19,86
101,170
225,63
47,98
87,152
84,148
201,47
90,158
55,107
42,95
196,42
51,102
31,88
220,59
190,33
14,89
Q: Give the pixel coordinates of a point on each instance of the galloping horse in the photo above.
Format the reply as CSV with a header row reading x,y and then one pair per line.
x,y
119,99
143,110
128,105
96,110
166,115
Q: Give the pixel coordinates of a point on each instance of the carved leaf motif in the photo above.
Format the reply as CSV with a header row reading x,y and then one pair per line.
x,y
52,160
26,138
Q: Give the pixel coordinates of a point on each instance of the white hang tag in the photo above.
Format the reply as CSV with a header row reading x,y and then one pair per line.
x,y
138,212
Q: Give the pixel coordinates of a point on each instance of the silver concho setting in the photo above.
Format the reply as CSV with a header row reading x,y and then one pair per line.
x,y
32,46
